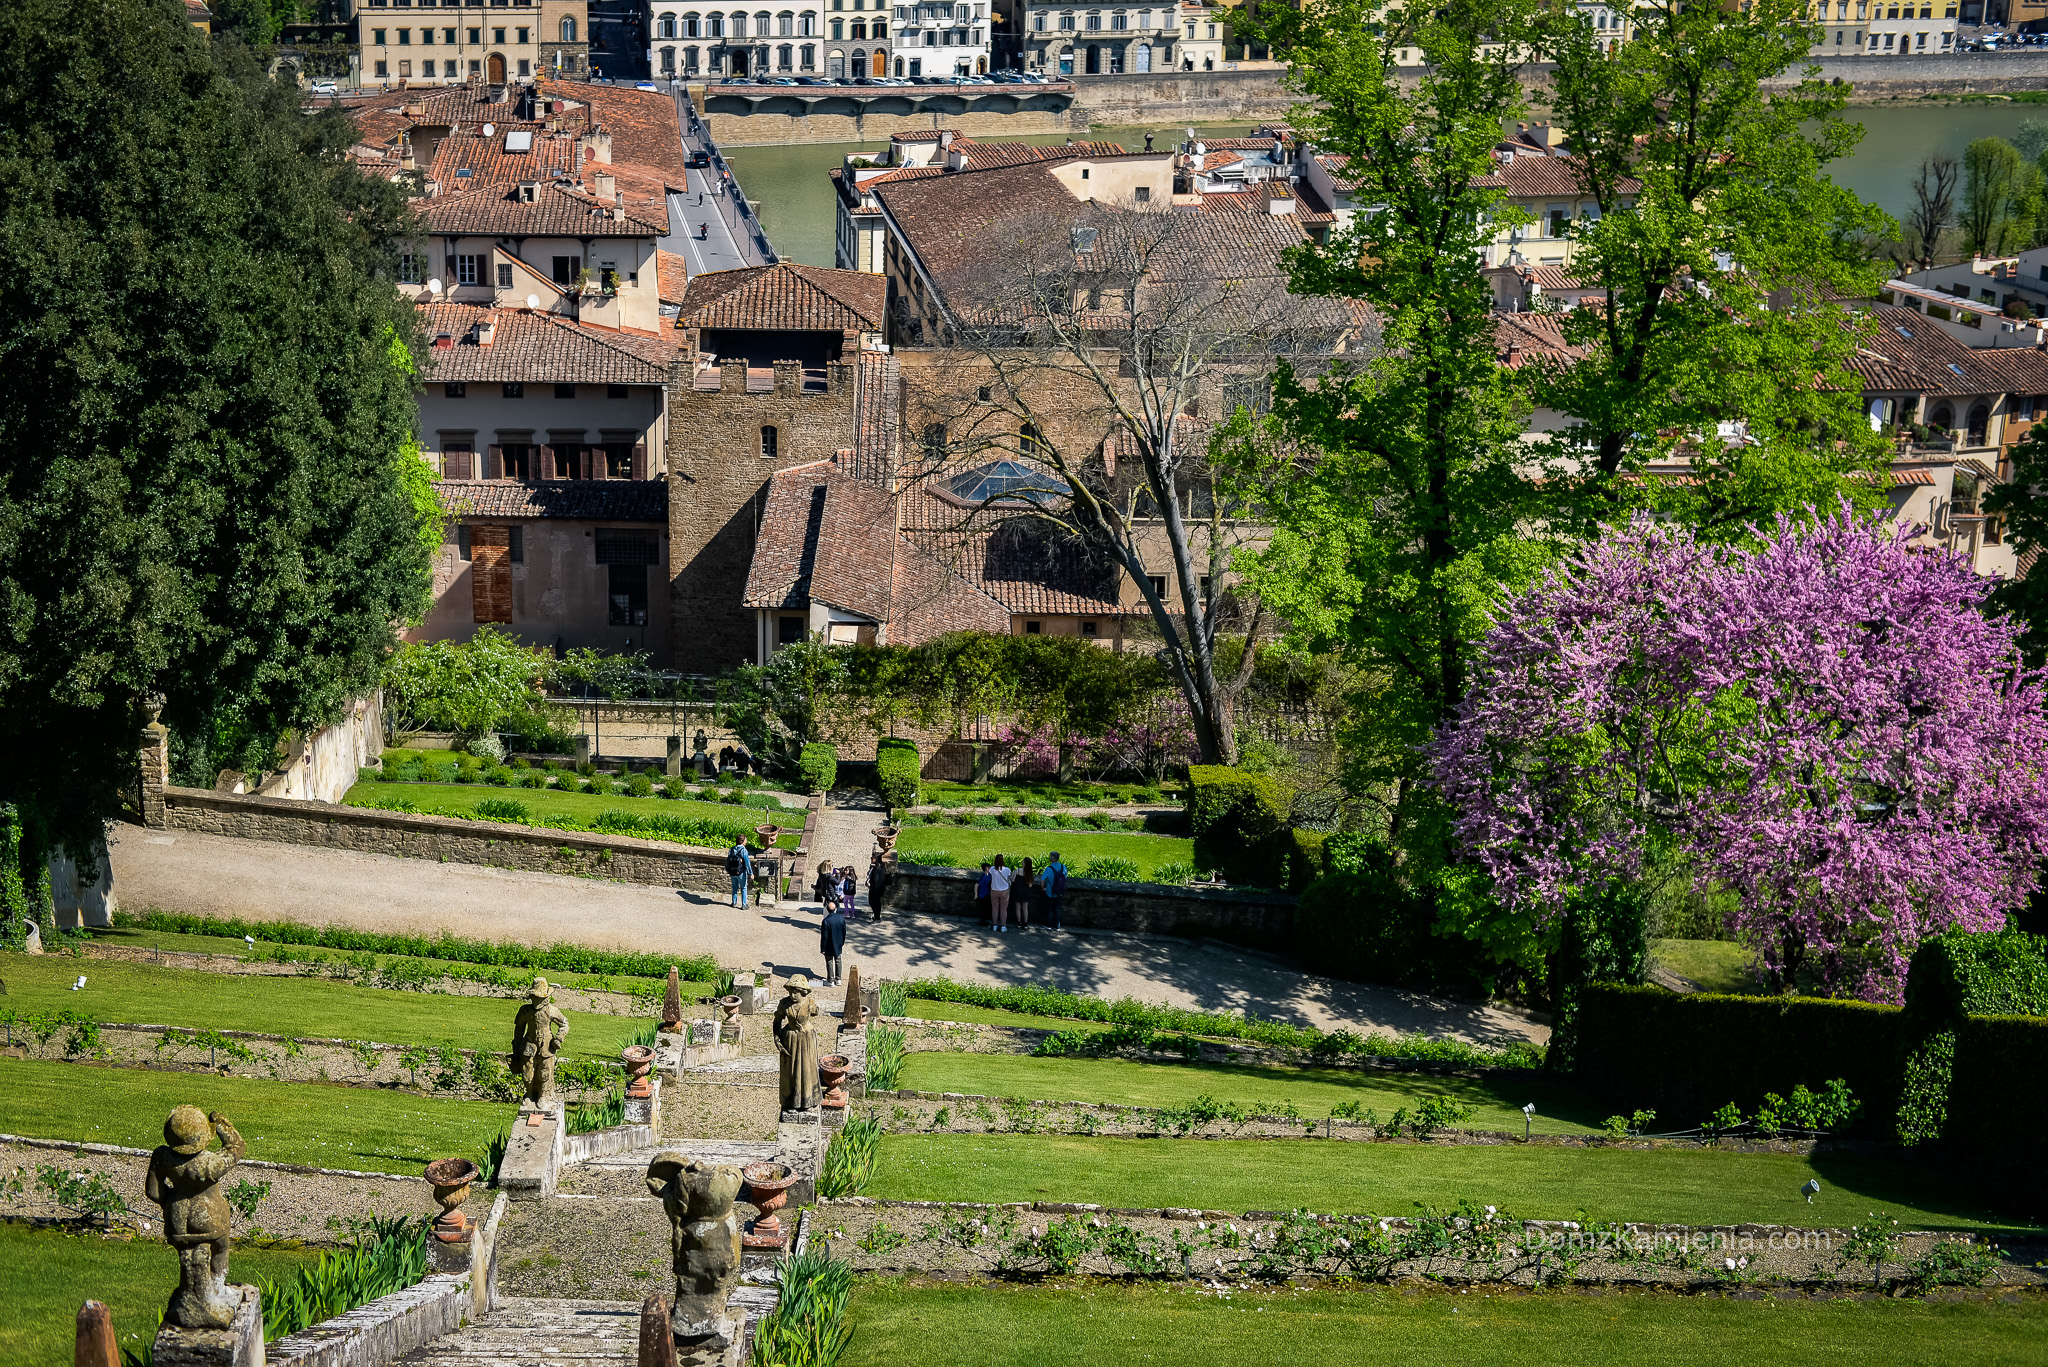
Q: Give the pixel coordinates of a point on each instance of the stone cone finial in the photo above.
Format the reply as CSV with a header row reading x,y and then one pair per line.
x,y
851,1019
672,1003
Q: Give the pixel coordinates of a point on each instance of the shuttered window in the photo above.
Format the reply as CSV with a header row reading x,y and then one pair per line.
x,y
490,574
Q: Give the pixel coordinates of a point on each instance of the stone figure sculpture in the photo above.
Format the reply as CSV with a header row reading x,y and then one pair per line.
x,y
704,1238
797,1045
184,1181
537,1034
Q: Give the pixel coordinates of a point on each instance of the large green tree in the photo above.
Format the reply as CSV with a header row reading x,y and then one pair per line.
x,y
1716,252
208,400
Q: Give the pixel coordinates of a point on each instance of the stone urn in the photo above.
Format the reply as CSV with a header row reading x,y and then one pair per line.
x,y
451,1179
639,1061
768,834
885,838
832,1071
768,1187
731,1007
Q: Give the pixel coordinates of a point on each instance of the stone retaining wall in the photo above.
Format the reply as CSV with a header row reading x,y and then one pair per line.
x,y
382,1331
413,835
1245,918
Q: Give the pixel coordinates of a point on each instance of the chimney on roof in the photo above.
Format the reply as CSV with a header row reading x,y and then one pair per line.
x,y
432,187
945,141
1148,142
1514,355
487,330
607,186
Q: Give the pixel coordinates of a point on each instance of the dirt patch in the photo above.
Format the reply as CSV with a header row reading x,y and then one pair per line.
x,y
597,1248
745,1107
312,1207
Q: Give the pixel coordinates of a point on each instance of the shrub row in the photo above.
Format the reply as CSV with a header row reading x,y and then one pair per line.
x,y
1036,821
1050,1001
897,771
559,957
704,832
817,765
1998,1106
567,781
1687,1056
1954,977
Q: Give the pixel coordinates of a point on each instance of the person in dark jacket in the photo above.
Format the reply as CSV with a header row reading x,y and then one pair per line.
x,y
832,942
878,881
981,901
849,886
1020,892
826,887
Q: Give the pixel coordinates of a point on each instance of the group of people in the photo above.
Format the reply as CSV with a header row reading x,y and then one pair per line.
x,y
836,890
1004,892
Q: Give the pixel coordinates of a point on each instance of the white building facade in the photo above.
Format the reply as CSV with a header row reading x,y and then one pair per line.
x,y
1073,39
453,46
936,38
698,42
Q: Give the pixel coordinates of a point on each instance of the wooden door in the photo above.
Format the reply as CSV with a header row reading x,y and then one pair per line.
x,y
490,574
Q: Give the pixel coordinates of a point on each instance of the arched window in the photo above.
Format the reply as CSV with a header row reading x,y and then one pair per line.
x,y
664,27
717,26
807,24
785,24
768,439
568,30
1944,417
860,62
693,27
762,22
739,25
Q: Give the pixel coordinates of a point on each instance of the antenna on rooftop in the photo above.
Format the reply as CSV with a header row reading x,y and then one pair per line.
x,y
434,286
533,301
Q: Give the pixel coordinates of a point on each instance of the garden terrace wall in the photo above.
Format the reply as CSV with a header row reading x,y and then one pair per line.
x,y
414,835
1262,919
1687,1056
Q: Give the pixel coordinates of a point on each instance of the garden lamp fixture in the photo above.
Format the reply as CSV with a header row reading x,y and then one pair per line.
x,y
1810,1190
79,984
1528,1119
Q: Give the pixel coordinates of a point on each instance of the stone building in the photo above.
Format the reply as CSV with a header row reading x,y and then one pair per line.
x,y
565,38
693,39
943,38
403,47
1080,37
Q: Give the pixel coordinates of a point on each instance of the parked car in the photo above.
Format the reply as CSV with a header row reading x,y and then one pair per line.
x,y
646,85
735,80
699,158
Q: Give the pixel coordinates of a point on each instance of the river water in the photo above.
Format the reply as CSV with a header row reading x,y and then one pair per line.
x,y
796,197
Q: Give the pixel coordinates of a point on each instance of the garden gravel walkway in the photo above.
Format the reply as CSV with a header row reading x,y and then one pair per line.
x,y
262,880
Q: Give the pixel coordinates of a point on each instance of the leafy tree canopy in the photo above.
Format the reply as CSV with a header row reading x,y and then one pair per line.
x,y
204,502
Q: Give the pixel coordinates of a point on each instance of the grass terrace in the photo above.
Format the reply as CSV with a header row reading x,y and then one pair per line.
x,y
1149,857
1676,1185
324,1125
1045,794
706,824
1127,1082
120,992
1108,1325
1716,965
50,1271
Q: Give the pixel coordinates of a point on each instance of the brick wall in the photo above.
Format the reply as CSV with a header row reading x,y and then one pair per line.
x,y
717,474
623,859
1263,919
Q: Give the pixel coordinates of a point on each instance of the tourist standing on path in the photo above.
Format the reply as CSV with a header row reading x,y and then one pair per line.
x,y
1021,893
826,887
981,895
999,879
1054,884
739,862
832,942
878,879
849,889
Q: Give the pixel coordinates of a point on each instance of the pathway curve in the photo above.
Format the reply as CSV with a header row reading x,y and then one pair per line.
x,y
264,880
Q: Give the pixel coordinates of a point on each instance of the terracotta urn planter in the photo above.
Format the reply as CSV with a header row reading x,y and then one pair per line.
x,y
639,1061
768,834
832,1071
768,1187
731,1007
451,1179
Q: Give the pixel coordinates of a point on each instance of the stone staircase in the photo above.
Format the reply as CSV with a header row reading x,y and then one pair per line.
x,y
530,1332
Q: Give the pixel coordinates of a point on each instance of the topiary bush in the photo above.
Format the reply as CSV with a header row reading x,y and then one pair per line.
x,y
640,786
818,766
1953,977
598,785
897,772
1240,824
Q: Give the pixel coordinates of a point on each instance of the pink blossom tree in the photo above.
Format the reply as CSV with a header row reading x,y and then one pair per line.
x,y
1824,722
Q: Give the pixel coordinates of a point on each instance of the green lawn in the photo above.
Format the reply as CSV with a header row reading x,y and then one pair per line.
x,y
967,847
1716,965
1498,1106
1114,1326
1041,794
266,951
363,1128
140,993
460,799
50,1273
1686,1186
990,1015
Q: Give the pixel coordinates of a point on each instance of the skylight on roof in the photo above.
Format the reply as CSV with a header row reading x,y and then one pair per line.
x,y
1006,479
519,141
1956,368
464,173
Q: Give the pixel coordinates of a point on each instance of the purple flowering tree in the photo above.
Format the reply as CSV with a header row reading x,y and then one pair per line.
x,y
1825,723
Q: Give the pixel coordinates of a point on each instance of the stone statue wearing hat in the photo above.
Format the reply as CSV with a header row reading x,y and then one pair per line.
x,y
537,1034
704,1238
797,1045
184,1180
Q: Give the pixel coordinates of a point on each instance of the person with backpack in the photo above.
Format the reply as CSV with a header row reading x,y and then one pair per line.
x,y
1054,883
826,887
739,862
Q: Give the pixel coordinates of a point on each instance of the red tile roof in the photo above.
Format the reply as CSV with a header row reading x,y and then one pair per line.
x,y
643,124
786,297
549,156
673,273
1915,355
540,348
1551,176
555,211
605,500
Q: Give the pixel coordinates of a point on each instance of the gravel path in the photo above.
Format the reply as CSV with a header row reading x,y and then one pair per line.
x,y
270,881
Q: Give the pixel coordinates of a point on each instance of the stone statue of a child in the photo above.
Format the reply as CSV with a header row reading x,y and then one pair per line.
x,y
537,1034
704,1236
184,1180
798,1045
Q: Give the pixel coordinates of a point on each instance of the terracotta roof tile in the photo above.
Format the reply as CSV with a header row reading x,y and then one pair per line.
x,y
673,272
549,156
540,348
556,211
643,124
1915,355
1527,176
613,500
786,297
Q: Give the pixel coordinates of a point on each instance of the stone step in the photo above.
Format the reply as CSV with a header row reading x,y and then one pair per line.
x,y
532,1332
738,1152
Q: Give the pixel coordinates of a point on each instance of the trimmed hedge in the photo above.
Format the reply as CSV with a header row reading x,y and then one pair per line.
x,y
1239,822
897,771
559,957
1953,977
818,766
1998,1106
1686,1056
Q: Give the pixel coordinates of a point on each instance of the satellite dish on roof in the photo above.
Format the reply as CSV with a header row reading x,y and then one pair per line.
x,y
434,286
489,129
1201,149
533,301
